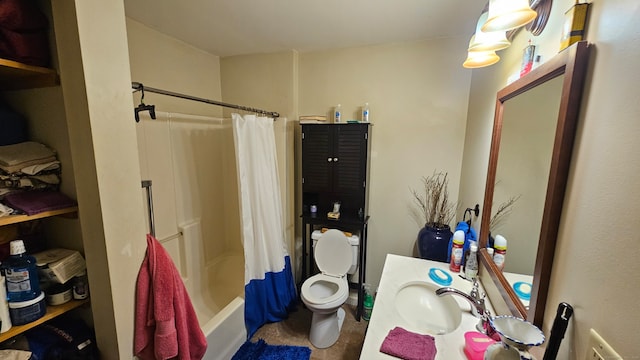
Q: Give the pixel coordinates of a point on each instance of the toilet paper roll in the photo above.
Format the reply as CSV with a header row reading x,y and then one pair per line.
x,y
4,307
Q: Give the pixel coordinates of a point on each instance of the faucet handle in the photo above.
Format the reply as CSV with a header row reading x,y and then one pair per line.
x,y
475,293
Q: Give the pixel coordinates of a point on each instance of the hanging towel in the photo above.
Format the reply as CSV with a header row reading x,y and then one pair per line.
x,y
408,345
166,325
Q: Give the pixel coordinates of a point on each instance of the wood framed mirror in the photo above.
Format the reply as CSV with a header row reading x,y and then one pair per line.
x,y
552,92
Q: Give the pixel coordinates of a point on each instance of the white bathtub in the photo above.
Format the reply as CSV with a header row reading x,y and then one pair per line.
x,y
216,289
225,332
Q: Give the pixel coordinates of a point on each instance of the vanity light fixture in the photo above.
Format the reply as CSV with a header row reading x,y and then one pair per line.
x,y
488,41
478,59
508,14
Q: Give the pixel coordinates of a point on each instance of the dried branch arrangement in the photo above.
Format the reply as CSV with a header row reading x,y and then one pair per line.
x,y
433,204
503,211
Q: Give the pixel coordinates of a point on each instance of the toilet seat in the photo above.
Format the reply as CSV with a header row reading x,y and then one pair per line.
x,y
333,253
340,295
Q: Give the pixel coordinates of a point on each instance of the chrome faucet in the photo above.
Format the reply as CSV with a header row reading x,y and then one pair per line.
x,y
478,308
477,302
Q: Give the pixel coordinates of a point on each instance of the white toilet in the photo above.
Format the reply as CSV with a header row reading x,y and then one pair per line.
x,y
325,292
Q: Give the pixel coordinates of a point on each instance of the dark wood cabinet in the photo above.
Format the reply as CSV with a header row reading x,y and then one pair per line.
x,y
335,167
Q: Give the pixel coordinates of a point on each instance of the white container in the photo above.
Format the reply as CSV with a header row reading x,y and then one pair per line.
x,y
365,113
5,318
58,294
337,114
24,312
500,251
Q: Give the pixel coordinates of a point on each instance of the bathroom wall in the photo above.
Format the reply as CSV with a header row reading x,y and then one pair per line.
x,y
94,69
418,96
597,245
166,63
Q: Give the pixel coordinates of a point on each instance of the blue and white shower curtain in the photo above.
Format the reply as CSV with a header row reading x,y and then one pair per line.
x,y
270,290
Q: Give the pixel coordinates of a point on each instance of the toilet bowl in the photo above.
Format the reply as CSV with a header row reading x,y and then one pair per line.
x,y
325,292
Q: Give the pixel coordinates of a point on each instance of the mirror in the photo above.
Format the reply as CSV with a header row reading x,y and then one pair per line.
x,y
533,132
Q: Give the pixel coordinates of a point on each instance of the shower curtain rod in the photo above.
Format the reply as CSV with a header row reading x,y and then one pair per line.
x,y
140,87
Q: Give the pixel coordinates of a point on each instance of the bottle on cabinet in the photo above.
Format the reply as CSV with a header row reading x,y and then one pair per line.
x,y
337,114
365,113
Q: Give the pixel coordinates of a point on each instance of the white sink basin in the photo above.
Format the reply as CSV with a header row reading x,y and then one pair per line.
x,y
423,311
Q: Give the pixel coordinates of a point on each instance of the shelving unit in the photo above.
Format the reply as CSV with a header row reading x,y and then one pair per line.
x,y
16,76
335,167
14,219
52,312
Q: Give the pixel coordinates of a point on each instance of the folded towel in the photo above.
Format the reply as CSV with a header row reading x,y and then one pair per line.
x,y
408,345
17,156
34,169
35,202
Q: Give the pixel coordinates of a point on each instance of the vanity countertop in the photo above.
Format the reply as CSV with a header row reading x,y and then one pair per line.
x,y
399,270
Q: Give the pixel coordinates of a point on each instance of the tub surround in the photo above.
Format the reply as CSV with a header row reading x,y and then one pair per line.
x,y
397,272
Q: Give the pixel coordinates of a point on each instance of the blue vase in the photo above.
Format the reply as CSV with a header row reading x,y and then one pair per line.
x,y
433,243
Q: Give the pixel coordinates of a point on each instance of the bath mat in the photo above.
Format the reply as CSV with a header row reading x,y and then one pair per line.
x,y
260,350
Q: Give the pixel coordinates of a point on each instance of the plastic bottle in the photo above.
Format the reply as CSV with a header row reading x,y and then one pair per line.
x,y
337,115
456,251
471,266
365,113
367,303
500,252
21,274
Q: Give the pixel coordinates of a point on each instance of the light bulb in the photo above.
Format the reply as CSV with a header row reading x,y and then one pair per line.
x,y
508,14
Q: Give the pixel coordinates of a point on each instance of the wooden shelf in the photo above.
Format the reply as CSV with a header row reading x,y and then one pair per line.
x,y
52,312
16,76
14,219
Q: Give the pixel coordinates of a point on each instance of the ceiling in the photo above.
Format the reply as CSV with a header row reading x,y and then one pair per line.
x,y
238,27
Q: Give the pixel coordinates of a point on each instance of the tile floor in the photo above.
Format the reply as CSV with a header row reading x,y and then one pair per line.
x,y
295,331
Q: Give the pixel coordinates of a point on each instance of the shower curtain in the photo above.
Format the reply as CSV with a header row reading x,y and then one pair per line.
x,y
269,285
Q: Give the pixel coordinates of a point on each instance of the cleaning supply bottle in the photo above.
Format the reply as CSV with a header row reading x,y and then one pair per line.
x,y
365,113
500,252
337,114
367,303
456,251
471,266
21,274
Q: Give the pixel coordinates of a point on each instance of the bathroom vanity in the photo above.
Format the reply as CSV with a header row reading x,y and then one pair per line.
x,y
406,298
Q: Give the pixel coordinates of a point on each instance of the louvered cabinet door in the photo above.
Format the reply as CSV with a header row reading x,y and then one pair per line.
x,y
349,160
317,158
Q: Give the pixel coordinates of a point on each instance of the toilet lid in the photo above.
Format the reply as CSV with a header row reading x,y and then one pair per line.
x,y
333,253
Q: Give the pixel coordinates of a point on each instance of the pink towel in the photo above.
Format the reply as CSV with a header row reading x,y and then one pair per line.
x,y
409,345
166,325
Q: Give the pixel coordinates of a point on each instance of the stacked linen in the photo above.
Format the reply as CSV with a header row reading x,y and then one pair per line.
x,y
28,166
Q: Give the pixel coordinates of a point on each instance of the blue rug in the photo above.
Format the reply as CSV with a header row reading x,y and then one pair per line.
x,y
260,350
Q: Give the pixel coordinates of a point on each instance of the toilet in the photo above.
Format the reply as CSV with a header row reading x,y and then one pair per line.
x,y
325,292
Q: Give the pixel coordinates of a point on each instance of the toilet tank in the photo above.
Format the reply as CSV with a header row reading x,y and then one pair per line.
x,y
354,240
